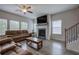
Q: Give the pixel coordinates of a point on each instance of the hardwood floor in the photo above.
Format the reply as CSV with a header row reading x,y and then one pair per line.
x,y
50,47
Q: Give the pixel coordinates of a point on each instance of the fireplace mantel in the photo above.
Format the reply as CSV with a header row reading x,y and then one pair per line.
x,y
47,27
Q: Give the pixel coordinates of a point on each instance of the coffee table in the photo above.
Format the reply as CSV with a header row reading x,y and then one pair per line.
x,y
35,43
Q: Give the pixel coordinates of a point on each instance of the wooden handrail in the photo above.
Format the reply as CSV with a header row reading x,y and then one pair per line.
x,y
71,26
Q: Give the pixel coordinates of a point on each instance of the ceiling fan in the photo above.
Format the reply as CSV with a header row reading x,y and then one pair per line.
x,y
24,8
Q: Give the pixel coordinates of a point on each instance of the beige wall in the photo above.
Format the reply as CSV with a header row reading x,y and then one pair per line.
x,y
10,16
68,18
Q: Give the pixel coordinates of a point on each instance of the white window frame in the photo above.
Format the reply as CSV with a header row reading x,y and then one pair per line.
x,y
57,28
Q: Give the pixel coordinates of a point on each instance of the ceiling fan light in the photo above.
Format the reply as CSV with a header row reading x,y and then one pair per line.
x,y
24,10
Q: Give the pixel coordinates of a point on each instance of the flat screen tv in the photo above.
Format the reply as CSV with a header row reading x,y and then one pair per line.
x,y
42,19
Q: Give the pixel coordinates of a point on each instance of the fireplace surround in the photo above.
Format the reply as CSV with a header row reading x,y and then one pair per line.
x,y
42,31
45,28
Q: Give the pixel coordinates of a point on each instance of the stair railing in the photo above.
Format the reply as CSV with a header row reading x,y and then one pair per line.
x,y
71,34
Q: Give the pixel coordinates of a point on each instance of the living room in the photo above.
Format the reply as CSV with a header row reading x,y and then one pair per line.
x,y
37,29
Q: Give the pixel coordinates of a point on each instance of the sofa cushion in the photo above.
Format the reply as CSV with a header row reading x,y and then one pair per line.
x,y
6,47
25,31
0,49
5,40
10,52
21,37
16,32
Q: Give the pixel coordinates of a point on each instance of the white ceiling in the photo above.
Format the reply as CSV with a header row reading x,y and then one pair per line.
x,y
38,9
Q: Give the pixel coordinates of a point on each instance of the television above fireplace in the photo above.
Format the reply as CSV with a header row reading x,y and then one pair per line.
x,y
42,19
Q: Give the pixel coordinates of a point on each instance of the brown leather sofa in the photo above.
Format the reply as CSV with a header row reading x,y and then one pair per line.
x,y
18,35
8,47
8,44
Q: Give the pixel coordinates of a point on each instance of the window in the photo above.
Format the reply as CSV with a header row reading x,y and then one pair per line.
x,y
57,27
3,26
24,26
14,25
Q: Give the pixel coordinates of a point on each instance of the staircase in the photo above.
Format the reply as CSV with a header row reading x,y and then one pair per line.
x,y
72,38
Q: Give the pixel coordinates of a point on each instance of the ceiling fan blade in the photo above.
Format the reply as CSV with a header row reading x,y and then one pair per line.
x,y
20,6
29,7
30,11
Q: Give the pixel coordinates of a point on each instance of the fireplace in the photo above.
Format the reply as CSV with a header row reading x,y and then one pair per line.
x,y
42,33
